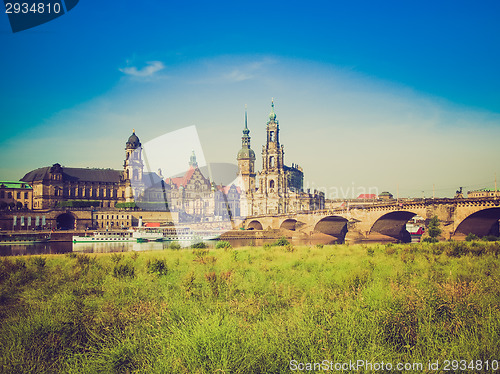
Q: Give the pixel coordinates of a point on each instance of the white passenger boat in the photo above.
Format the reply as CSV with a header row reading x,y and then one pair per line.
x,y
148,234
106,236
173,233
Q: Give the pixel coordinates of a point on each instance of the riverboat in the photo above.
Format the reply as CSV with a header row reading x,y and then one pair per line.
x,y
106,236
148,234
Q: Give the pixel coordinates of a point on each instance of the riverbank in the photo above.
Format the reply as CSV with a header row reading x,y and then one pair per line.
x,y
251,310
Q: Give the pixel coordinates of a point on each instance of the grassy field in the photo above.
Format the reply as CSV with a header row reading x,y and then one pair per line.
x,y
251,310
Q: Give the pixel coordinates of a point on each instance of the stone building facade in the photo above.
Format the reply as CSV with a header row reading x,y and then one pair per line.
x,y
53,185
277,188
17,195
197,199
485,192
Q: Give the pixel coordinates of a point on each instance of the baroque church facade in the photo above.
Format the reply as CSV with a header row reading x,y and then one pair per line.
x,y
277,188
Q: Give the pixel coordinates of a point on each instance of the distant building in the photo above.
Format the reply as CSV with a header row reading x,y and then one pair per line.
x,y
15,195
483,193
53,185
196,199
277,188
385,196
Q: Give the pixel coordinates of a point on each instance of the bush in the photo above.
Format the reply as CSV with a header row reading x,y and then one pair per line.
x,y
123,270
429,240
470,237
433,230
490,238
281,242
223,244
199,245
157,266
174,245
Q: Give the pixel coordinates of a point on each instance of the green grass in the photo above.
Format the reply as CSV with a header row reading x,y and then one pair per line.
x,y
249,310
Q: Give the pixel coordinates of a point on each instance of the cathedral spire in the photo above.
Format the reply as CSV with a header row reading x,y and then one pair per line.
x,y
246,151
272,115
246,131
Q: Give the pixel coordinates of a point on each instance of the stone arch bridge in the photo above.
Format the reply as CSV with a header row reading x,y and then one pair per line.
x,y
457,217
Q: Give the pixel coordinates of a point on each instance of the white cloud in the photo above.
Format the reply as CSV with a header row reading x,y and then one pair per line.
x,y
148,71
237,76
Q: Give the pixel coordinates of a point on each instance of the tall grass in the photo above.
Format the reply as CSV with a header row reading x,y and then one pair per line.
x,y
249,310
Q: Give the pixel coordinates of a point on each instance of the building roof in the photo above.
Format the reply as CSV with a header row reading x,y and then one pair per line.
x,y
367,196
133,141
15,184
225,189
76,175
183,180
152,224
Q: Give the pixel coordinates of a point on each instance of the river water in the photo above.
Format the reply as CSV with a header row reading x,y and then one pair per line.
x,y
65,247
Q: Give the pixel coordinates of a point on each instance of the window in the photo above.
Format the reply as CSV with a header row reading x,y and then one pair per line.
x,y
19,195
9,195
25,195
271,184
2,194
271,161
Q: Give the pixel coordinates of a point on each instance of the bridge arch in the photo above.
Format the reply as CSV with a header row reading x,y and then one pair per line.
x,y
332,225
66,221
393,224
290,224
255,225
481,223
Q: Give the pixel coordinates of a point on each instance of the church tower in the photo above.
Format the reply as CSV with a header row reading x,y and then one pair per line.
x,y
272,177
192,160
133,168
246,161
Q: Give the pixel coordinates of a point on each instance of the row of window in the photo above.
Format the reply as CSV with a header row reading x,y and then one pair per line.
x,y
113,224
9,195
112,216
79,192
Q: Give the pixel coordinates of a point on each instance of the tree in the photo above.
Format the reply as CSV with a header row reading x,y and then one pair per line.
x,y
433,230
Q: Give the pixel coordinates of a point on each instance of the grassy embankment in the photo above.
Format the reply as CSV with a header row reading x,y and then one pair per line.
x,y
250,310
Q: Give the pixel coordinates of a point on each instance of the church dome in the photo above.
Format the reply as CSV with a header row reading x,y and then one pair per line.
x,y
133,141
246,153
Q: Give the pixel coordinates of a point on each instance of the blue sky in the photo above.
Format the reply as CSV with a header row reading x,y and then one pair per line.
x,y
369,94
